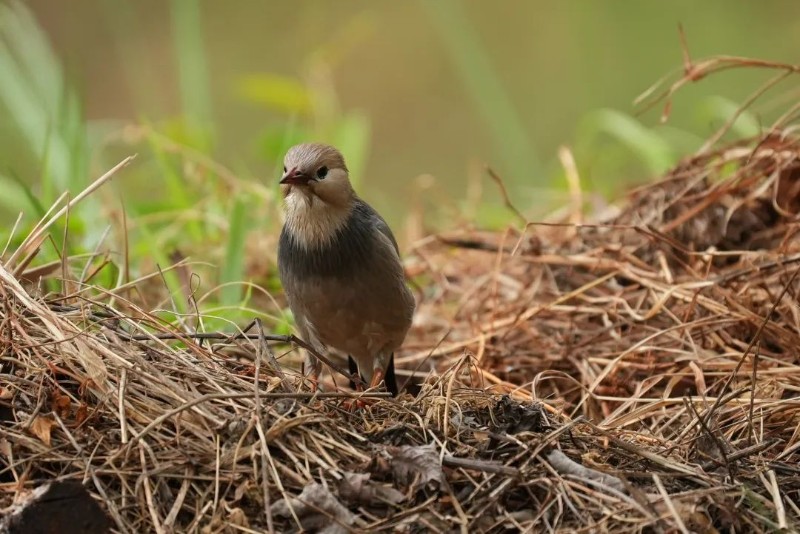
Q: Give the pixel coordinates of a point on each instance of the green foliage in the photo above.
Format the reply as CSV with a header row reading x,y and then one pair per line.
x,y
646,144
233,268
36,100
18,194
615,150
308,106
191,205
44,121
180,198
718,110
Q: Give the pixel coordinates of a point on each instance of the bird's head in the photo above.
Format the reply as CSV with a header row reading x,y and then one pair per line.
x,y
318,196
313,171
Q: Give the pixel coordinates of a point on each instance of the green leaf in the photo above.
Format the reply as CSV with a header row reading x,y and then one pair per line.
x,y
718,110
31,86
177,192
278,92
17,196
352,135
149,246
656,154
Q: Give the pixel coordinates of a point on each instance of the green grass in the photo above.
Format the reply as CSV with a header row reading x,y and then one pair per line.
x,y
233,268
42,110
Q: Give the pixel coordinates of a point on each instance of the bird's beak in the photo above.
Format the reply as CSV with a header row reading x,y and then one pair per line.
x,y
295,177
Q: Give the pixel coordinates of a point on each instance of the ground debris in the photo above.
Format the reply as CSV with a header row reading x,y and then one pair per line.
x,y
566,466
317,509
358,488
417,466
633,373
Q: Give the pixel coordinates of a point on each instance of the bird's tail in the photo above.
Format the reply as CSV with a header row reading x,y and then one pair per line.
x,y
390,378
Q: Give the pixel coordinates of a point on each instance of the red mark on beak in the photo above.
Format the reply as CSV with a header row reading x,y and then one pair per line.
x,y
295,177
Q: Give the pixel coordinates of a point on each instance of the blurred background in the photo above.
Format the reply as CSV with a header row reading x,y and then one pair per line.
x,y
419,95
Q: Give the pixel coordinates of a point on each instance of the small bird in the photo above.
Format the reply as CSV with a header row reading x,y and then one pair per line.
x,y
340,268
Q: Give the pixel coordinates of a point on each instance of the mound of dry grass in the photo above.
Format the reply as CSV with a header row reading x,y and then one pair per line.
x,y
637,373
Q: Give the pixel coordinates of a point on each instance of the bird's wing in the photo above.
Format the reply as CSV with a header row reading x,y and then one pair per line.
x,y
381,225
377,222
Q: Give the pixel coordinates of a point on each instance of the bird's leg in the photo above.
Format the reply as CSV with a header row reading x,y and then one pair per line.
x,y
356,381
356,384
377,378
383,371
312,369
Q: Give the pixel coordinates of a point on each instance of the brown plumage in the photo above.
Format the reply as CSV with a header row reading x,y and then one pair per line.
x,y
340,267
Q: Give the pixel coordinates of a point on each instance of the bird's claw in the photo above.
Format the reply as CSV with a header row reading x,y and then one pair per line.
x,y
361,403
353,405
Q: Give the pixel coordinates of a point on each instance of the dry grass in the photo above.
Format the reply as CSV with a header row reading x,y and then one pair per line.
x,y
639,348
634,374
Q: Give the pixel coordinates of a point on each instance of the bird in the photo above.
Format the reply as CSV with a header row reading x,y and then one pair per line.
x,y
340,268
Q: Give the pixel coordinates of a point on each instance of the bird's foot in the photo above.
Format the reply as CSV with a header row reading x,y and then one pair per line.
x,y
313,381
352,405
360,404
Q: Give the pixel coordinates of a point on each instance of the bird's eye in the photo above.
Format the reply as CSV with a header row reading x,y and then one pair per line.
x,y
284,169
322,172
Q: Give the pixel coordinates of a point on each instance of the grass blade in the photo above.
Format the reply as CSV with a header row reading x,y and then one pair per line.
x,y
191,60
233,269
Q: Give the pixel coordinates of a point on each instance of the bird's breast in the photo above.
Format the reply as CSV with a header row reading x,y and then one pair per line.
x,y
343,254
